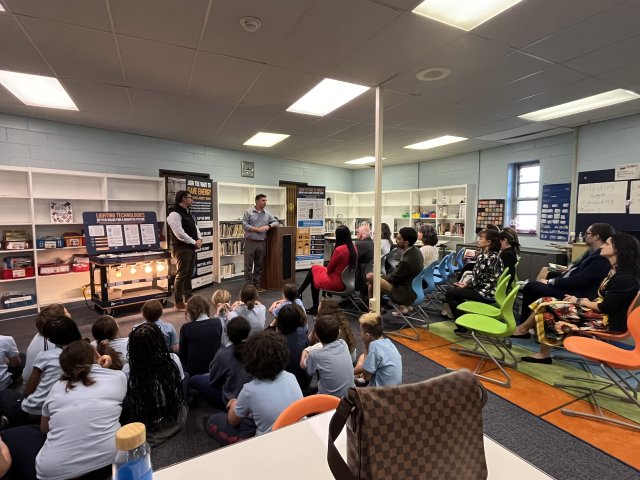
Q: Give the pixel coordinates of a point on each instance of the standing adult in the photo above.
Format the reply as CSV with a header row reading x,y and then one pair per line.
x,y
256,222
185,240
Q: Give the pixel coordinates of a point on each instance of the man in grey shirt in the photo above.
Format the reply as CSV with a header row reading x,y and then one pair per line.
x,y
256,222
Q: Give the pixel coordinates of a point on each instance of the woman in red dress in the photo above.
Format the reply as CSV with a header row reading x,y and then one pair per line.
x,y
328,278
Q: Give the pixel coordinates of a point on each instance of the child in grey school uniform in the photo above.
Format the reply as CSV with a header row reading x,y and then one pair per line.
x,y
332,363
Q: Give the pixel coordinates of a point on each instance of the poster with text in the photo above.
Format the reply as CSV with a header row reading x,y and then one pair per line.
x,y
202,210
554,212
310,223
119,232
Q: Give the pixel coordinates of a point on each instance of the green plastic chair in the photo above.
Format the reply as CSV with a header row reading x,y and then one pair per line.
x,y
487,309
495,332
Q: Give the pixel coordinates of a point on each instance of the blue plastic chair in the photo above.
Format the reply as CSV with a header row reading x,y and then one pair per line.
x,y
416,286
459,260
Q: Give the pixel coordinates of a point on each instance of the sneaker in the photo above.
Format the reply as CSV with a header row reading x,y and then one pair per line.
x,y
4,422
181,306
260,289
312,311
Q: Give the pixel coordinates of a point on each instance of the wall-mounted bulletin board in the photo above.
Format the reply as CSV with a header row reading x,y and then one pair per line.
x,y
490,211
554,212
603,199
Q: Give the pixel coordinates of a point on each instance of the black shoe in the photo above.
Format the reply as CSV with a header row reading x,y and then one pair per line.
x,y
460,330
546,361
312,311
524,335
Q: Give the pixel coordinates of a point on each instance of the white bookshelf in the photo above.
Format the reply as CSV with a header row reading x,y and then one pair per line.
x,y
446,208
231,200
25,203
340,210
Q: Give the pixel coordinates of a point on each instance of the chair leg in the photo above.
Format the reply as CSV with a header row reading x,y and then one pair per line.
x,y
631,395
485,356
407,324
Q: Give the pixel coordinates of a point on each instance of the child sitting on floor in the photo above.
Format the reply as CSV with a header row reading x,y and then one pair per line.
x,y
380,364
151,312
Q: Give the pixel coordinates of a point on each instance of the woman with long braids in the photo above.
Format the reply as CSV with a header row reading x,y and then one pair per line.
x,y
79,420
329,277
154,395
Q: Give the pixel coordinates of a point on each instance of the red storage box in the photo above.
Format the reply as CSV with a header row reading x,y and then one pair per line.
x,y
16,245
80,267
13,273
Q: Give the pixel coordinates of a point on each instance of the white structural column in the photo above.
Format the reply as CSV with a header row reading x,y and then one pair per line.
x,y
377,202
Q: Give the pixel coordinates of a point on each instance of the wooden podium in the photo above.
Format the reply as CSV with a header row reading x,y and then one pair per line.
x,y
280,259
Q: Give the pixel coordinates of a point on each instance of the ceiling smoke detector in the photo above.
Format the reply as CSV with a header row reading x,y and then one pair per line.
x,y
251,24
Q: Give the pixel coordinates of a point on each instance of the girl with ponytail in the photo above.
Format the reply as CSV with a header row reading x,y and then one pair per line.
x,y
251,309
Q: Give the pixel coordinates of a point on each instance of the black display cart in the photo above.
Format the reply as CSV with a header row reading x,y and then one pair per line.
x,y
127,265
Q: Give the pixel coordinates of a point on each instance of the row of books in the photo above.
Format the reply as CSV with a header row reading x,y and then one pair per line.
x,y
228,271
231,230
456,230
231,247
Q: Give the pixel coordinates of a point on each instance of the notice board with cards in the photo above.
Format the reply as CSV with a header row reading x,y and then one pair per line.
x,y
490,211
554,212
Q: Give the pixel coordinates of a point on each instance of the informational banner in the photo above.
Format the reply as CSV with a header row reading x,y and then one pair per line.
x,y
554,212
202,210
310,223
118,232
604,197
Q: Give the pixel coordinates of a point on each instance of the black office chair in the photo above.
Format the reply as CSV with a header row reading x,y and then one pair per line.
x,y
348,277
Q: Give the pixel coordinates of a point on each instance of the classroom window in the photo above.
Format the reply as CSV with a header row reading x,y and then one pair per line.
x,y
526,197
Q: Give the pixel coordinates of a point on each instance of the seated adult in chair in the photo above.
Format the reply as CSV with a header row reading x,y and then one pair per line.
x,y
398,284
329,277
581,281
364,245
509,252
555,319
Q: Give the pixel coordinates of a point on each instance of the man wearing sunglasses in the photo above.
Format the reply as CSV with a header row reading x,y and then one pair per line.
x,y
185,240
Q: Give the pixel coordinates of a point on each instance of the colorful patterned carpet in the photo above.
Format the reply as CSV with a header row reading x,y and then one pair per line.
x,y
532,388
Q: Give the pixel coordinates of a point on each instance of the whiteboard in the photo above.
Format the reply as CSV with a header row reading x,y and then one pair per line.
x,y
606,197
634,200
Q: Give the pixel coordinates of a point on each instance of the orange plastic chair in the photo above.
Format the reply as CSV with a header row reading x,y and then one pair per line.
x,y
616,336
611,359
299,409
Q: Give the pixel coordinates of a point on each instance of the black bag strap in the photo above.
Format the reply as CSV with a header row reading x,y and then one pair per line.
x,y
338,466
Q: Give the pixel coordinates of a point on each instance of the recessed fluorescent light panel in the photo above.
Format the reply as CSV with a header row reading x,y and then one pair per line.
x,y
36,90
326,97
463,14
1,8
363,160
601,100
436,142
264,139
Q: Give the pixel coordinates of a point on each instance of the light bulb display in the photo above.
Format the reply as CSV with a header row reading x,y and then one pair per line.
x,y
147,268
133,269
118,273
160,267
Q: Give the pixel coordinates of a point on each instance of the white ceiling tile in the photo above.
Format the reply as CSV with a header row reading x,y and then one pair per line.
x,y
566,93
611,57
152,105
363,108
245,121
156,66
613,25
623,77
462,56
98,98
222,78
328,32
201,118
17,53
75,52
167,21
489,95
279,87
401,44
324,127
83,13
355,132
400,4
290,123
225,35
530,21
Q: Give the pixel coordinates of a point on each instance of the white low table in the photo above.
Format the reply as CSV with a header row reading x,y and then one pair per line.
x,y
300,452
